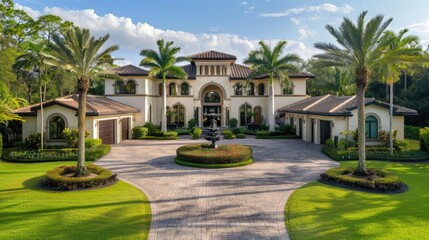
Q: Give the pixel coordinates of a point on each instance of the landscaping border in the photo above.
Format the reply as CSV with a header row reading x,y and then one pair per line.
x,y
213,165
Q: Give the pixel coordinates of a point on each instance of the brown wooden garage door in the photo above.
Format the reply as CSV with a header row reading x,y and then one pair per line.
x,y
106,131
125,128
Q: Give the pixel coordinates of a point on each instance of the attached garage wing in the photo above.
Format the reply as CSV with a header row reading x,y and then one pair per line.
x,y
106,131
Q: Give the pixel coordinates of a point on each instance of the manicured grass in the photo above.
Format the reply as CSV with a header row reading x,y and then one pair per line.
x,y
214,165
320,211
120,211
413,144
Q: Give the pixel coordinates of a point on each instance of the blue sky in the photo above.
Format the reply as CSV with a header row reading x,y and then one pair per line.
x,y
232,26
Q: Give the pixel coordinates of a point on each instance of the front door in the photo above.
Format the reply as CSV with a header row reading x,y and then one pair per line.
x,y
210,109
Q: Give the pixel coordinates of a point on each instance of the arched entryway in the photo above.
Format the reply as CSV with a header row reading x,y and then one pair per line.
x,y
212,102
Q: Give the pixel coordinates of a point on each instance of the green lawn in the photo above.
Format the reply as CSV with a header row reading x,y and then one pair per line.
x,y
413,144
319,211
120,211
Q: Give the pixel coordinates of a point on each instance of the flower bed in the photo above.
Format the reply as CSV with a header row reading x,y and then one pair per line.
x,y
224,154
57,178
375,154
50,155
377,179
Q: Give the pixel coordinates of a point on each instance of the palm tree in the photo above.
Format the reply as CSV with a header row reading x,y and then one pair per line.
x,y
363,48
403,50
163,64
274,65
32,60
334,80
76,51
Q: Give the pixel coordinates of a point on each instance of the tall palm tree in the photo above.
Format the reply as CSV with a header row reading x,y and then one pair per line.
x,y
334,80
363,48
274,65
163,64
403,50
76,51
32,60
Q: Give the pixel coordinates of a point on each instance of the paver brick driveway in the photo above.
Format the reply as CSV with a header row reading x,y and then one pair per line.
x,y
236,203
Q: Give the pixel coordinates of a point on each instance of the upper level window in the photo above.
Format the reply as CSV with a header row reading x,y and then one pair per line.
x,y
160,87
172,89
224,70
212,97
261,89
184,89
129,87
251,89
206,70
218,70
238,89
288,89
212,70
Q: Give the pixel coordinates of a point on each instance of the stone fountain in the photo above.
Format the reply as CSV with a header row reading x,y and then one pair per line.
x,y
212,134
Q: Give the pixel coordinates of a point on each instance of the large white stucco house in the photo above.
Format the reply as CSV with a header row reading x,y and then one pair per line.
x,y
215,84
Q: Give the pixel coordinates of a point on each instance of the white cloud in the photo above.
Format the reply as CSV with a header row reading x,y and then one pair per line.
x,y
133,37
325,7
33,13
295,21
422,27
244,3
249,10
305,33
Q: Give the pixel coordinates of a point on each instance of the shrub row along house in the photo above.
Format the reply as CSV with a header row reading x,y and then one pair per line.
x,y
215,84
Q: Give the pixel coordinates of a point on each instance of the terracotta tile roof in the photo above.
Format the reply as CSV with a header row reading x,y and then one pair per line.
x,y
129,70
95,106
239,71
338,106
213,55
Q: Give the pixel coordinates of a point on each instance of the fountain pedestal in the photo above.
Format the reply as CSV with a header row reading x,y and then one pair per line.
x,y
212,134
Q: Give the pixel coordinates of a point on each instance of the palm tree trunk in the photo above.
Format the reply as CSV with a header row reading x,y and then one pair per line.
x,y
42,121
271,110
391,119
361,129
164,106
81,170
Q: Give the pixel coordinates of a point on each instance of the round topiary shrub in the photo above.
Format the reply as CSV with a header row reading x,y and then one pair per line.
x,y
139,132
376,179
221,156
241,135
62,178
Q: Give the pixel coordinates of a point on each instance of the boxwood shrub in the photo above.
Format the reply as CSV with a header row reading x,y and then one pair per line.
x,y
375,154
241,135
380,179
412,132
201,153
94,153
92,142
55,178
196,134
139,132
165,134
227,134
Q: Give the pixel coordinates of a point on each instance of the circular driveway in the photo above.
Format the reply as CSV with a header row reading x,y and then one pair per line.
x,y
236,203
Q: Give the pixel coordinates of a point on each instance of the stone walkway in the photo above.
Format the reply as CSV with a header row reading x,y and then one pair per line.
x,y
236,203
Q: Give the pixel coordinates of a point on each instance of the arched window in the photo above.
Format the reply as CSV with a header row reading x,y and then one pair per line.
x,y
119,87
172,89
169,115
245,114
201,70
160,87
258,115
371,126
57,125
179,115
218,70
224,70
184,89
251,89
212,70
238,89
261,89
206,70
130,87
212,97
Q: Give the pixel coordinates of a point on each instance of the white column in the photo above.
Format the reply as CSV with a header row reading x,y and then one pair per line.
x,y
223,117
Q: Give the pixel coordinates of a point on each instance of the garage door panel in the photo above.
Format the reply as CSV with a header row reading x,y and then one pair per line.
x,y
106,131
125,128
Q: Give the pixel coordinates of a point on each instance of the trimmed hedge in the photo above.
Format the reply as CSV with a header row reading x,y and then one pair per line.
x,y
139,132
196,134
278,137
227,134
92,142
55,178
158,138
182,131
53,155
224,165
375,154
202,153
412,132
380,179
165,134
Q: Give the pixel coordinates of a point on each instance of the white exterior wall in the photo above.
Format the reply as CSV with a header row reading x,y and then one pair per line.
x,y
29,126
